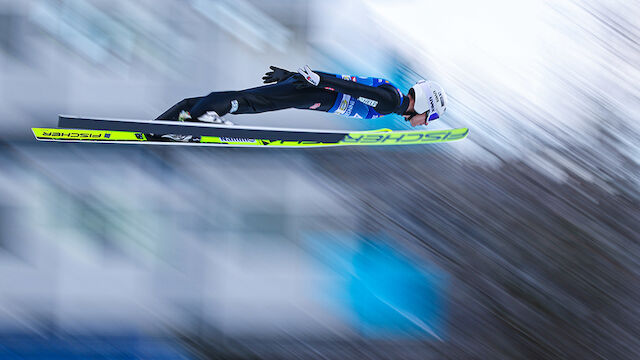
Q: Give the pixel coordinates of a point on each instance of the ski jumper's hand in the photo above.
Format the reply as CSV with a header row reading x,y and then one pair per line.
x,y
418,120
276,75
308,74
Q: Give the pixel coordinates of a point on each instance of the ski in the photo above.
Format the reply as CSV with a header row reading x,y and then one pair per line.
x,y
380,137
76,129
200,129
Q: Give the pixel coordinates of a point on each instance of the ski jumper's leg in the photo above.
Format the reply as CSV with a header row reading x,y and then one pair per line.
x,y
174,111
282,95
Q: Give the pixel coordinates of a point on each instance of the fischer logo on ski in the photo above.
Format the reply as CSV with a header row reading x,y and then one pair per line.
x,y
72,134
405,137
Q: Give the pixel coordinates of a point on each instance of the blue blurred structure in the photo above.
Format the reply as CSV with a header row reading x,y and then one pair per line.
x,y
392,297
382,293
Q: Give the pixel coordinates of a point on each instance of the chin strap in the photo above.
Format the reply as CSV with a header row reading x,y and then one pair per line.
x,y
426,119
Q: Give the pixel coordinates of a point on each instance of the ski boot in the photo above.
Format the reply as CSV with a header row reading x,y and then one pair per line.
x,y
213,118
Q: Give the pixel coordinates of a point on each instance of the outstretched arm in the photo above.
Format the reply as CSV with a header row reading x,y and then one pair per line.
x,y
384,98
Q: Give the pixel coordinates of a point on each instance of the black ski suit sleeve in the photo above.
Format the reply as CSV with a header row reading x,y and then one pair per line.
x,y
385,97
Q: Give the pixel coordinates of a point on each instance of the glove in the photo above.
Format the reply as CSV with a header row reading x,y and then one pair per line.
x,y
276,75
311,77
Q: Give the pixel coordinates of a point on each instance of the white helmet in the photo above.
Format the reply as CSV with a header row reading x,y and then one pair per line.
x,y
430,98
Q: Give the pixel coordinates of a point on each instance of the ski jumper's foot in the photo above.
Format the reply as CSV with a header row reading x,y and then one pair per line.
x,y
213,118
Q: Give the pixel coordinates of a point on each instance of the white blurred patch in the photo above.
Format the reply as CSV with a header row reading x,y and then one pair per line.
x,y
527,76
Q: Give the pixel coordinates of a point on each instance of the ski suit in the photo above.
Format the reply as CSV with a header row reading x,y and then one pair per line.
x,y
352,96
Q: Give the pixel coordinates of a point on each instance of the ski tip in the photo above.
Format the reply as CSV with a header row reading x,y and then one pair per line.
x,y
460,134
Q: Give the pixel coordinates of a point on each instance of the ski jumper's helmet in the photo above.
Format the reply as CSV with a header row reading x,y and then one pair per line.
x,y
430,98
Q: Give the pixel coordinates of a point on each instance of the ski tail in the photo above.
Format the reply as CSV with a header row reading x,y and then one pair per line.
x,y
88,135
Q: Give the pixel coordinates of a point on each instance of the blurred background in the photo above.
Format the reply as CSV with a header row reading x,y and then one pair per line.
x,y
520,241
